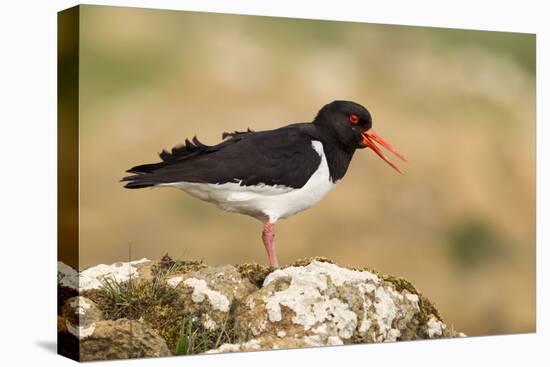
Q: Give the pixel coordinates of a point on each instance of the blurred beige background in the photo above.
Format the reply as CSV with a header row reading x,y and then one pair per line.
x,y
460,224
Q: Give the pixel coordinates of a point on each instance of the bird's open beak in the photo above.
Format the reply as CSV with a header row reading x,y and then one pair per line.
x,y
369,137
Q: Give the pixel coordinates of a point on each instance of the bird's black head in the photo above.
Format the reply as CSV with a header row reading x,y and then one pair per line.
x,y
349,125
345,121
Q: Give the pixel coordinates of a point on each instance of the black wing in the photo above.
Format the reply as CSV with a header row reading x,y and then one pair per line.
x,y
283,156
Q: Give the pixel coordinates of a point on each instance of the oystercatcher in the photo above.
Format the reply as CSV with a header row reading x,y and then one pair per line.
x,y
268,175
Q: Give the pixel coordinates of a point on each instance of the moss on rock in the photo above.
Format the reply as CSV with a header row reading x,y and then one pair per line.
x,y
427,308
255,273
308,260
166,265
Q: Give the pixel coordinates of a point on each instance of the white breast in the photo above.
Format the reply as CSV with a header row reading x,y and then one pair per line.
x,y
261,201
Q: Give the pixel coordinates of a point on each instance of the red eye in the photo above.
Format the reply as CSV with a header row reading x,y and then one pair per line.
x,y
353,119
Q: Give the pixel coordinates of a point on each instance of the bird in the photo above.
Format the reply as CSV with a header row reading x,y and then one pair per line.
x,y
272,174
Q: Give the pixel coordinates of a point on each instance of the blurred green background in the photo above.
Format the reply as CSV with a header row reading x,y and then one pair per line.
x,y
460,224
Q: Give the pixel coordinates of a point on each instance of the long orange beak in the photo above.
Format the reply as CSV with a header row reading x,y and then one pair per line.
x,y
369,137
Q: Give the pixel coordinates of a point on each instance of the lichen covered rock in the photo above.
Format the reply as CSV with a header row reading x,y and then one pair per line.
x,y
325,304
120,339
93,277
211,293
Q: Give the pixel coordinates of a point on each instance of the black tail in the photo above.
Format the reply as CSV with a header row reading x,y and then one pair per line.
x,y
148,175
144,176
137,183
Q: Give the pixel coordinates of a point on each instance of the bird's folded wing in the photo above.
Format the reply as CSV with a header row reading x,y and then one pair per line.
x,y
282,158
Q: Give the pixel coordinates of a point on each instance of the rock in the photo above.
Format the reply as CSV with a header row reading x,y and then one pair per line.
x,y
263,343
244,308
324,304
212,292
93,277
269,342
120,339
80,315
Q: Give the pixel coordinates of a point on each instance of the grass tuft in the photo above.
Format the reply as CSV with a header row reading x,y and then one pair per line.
x,y
194,339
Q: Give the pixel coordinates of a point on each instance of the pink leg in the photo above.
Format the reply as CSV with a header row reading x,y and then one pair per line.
x,y
268,235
